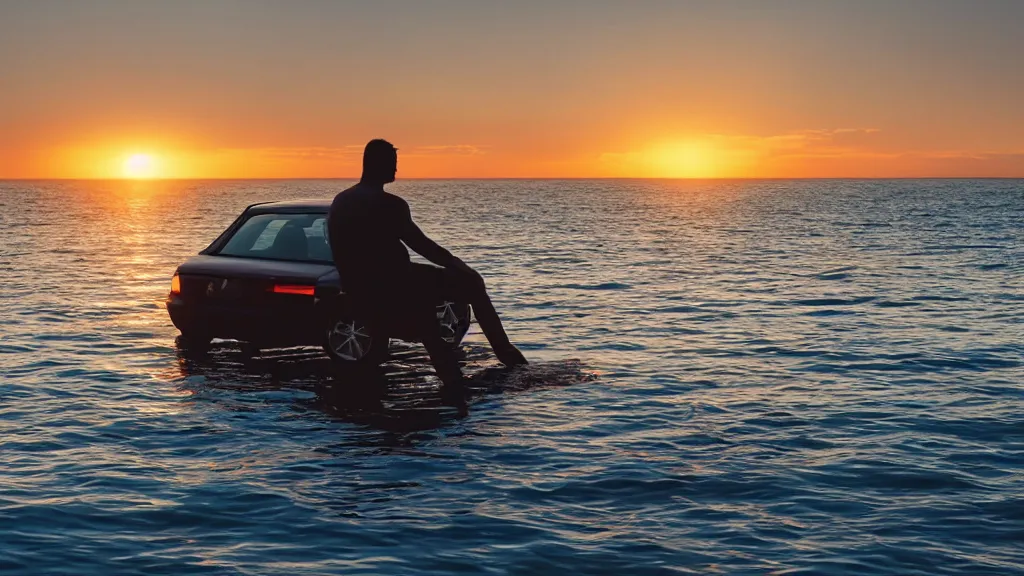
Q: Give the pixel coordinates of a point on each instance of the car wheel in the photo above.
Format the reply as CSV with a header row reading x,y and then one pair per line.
x,y
454,319
349,342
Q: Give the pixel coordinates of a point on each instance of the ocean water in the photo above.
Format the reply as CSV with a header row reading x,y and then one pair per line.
x,y
757,377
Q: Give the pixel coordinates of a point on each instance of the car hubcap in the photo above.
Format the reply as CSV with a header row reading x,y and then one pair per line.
x,y
451,322
350,340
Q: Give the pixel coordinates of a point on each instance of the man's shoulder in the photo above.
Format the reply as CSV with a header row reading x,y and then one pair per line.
x,y
358,201
396,201
351,190
346,195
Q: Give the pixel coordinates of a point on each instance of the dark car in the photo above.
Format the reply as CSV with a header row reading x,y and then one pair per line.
x,y
269,280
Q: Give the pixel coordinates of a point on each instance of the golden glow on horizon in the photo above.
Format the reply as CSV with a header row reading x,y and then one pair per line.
x,y
686,160
816,153
139,166
711,156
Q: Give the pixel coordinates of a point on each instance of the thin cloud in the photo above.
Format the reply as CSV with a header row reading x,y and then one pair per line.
x,y
297,153
816,142
352,151
449,150
816,152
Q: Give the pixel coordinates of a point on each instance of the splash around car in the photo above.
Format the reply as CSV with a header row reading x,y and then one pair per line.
x,y
269,280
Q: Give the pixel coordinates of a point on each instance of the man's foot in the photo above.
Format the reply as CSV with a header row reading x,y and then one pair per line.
x,y
454,395
510,356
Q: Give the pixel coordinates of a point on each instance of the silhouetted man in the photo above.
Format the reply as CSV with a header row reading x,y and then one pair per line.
x,y
369,230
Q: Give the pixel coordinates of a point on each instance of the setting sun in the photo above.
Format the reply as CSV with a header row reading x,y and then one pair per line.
x,y
685,160
139,166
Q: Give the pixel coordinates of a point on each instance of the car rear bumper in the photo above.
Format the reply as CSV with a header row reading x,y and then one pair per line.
x,y
298,325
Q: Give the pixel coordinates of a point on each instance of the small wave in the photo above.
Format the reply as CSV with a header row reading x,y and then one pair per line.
x,y
964,247
836,273
829,313
941,298
680,310
825,276
602,286
15,349
833,301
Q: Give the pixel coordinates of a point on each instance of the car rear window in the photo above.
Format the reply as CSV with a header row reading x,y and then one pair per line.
x,y
295,237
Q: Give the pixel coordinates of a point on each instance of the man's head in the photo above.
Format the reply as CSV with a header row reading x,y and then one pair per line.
x,y
380,162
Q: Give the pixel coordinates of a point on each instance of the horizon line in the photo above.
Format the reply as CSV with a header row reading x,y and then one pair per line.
x,y
442,178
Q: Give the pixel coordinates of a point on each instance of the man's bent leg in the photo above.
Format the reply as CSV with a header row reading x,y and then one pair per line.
x,y
446,365
418,320
420,311
474,292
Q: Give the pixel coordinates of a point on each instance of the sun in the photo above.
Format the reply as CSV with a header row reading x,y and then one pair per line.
x,y
685,160
139,166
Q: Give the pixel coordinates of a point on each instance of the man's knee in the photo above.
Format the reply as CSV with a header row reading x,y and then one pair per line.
x,y
472,285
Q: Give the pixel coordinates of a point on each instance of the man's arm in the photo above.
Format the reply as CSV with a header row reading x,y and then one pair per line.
x,y
415,239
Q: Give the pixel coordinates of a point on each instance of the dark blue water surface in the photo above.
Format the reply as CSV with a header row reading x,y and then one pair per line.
x,y
809,377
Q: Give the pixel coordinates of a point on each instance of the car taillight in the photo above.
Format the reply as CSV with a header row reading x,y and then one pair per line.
x,y
175,285
293,289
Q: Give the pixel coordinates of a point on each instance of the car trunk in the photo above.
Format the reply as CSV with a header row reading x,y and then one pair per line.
x,y
243,282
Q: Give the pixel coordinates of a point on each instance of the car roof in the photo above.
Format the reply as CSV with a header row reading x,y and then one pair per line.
x,y
291,206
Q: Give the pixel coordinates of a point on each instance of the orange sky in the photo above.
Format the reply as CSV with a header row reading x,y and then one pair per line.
x,y
560,88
